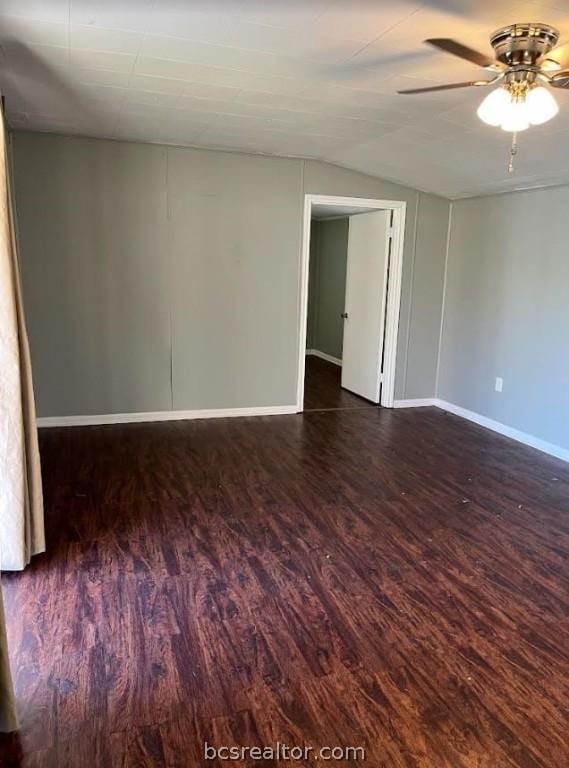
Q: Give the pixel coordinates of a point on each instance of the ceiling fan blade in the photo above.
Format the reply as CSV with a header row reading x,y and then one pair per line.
x,y
449,87
560,79
462,51
558,55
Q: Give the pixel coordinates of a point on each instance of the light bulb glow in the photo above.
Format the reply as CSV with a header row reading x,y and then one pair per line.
x,y
541,106
515,117
492,109
501,108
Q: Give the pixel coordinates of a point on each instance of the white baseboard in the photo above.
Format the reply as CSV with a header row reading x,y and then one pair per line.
x,y
420,403
496,426
324,356
503,429
128,418
280,410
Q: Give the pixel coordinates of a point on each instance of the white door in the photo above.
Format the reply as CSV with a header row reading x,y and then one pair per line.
x,y
364,316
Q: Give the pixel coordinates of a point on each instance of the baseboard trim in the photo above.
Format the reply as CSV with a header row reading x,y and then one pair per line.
x,y
421,402
324,356
129,418
496,426
281,410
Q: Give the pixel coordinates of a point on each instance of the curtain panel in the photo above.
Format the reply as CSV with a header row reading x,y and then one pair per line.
x,y
21,502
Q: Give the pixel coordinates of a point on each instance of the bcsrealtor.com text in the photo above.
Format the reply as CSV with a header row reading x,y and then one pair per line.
x,y
280,751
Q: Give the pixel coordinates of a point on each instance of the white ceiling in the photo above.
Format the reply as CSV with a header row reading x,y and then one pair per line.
x,y
304,78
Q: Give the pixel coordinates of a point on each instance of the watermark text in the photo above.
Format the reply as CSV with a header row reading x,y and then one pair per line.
x,y
281,751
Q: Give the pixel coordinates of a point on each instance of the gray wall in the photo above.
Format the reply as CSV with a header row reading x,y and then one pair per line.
x,y
507,311
311,308
327,285
158,277
234,240
93,244
426,296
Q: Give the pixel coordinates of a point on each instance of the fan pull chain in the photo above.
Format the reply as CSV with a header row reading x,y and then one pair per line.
x,y
513,152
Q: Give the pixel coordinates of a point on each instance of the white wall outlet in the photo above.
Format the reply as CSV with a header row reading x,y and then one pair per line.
x,y
499,384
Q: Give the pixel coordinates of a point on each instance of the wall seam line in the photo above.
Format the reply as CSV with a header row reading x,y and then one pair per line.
x,y
443,300
411,291
169,254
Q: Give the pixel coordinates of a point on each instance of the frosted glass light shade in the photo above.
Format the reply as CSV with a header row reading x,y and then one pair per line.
x,y
515,117
540,105
499,108
494,106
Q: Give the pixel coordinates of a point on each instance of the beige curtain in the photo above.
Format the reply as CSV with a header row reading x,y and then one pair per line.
x,y
8,721
21,503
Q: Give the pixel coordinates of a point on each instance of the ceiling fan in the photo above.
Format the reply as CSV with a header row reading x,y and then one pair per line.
x,y
525,64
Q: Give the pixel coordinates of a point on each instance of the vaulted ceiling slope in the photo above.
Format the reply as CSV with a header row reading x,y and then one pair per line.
x,y
304,78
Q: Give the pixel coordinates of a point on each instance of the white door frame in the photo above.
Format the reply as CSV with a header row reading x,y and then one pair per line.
x,y
399,208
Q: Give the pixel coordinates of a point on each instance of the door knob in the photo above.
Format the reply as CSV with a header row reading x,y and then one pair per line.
x,y
344,315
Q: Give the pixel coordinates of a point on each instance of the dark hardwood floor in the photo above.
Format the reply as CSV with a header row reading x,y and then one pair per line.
x,y
323,390
396,580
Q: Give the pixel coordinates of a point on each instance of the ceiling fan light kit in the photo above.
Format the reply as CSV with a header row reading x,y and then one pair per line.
x,y
515,109
526,63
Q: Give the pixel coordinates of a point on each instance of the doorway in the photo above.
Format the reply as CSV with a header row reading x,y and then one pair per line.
x,y
350,296
329,239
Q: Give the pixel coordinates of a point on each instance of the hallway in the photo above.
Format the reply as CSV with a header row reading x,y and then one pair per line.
x,y
323,390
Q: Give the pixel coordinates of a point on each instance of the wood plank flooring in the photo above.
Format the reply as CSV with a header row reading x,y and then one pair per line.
x,y
396,580
323,390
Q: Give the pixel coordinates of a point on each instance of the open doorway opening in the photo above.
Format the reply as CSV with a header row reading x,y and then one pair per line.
x,y
351,286
329,233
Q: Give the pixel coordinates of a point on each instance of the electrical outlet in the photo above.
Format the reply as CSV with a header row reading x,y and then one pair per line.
x,y
499,384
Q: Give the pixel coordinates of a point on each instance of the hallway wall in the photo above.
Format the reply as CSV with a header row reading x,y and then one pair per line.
x,y
327,285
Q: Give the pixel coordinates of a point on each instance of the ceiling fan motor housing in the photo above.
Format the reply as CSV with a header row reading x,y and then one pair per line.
x,y
519,45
